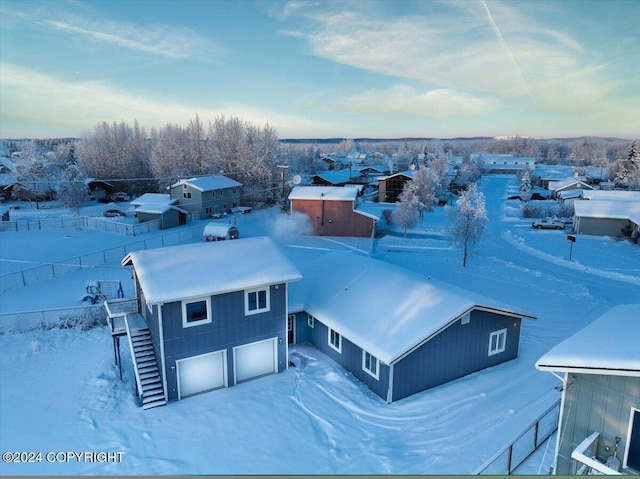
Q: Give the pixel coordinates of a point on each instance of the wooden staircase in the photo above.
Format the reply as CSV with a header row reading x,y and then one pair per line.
x,y
148,379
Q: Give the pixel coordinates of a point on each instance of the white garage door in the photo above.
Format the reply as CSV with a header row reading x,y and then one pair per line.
x,y
255,359
201,373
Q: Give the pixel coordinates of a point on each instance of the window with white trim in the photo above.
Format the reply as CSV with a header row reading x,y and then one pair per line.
x,y
335,340
257,301
497,341
370,364
196,312
632,452
187,195
311,321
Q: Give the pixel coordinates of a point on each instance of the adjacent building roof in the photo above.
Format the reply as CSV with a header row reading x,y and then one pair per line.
x,y
154,198
608,346
620,195
326,193
209,183
568,183
383,308
189,271
629,210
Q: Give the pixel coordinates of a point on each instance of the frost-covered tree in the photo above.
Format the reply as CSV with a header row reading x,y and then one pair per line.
x,y
72,187
525,185
34,175
468,221
425,185
407,208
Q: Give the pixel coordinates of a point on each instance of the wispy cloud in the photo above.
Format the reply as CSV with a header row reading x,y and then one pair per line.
x,y
170,41
163,40
31,96
439,104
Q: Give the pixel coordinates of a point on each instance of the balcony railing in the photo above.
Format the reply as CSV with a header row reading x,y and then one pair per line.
x,y
585,456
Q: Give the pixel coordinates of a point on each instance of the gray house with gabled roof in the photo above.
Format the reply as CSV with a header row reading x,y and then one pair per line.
x,y
395,330
599,369
210,315
207,196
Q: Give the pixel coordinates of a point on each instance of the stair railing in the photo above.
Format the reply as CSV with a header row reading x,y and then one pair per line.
x,y
133,356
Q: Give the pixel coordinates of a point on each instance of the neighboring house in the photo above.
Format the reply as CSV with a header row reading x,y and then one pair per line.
x,y
599,367
333,211
334,178
390,187
159,207
210,315
395,330
558,187
503,164
207,196
335,163
98,188
607,218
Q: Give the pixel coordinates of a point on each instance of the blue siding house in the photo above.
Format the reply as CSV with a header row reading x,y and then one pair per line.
x,y
211,315
395,330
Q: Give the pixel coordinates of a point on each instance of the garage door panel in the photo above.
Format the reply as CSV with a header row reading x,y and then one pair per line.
x,y
255,359
201,373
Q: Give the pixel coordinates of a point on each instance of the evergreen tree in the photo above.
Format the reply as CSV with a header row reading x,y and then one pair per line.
x,y
525,185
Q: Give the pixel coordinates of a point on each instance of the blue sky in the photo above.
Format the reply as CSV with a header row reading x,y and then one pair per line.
x,y
324,69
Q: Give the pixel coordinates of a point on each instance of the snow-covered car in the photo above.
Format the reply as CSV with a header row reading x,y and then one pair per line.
x,y
548,225
121,197
114,213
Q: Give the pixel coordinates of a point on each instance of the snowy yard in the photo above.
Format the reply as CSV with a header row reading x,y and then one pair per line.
x,y
60,389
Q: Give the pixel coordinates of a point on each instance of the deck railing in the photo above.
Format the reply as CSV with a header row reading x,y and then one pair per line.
x,y
585,456
524,444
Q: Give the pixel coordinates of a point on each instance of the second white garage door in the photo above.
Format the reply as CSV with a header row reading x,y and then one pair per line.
x,y
201,373
255,359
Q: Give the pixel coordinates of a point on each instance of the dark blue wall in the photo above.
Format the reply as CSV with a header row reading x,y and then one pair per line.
x,y
457,351
229,328
350,358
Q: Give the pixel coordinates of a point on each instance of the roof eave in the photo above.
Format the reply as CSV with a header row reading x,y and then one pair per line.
x,y
589,370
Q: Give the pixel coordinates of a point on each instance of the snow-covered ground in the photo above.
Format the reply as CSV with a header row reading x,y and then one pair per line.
x,y
60,390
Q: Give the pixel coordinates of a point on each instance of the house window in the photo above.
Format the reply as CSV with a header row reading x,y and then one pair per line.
x,y
335,341
256,301
207,210
632,454
187,195
311,321
220,192
196,312
370,364
497,341
233,191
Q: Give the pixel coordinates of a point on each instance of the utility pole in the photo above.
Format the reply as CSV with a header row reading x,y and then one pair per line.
x,y
283,169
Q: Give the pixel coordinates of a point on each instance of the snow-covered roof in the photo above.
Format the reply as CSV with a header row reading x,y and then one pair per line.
x,y
560,185
568,194
337,177
629,210
194,270
154,198
209,183
620,195
327,193
609,346
158,209
407,173
374,210
383,308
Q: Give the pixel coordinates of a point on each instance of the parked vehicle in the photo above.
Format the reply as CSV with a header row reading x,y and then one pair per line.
x,y
548,225
121,197
114,213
